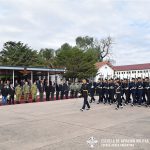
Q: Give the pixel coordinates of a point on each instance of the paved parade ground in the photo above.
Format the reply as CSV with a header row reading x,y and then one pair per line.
x,y
60,125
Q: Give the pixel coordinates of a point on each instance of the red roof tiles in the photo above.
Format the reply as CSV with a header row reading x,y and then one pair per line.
x,y
125,67
100,64
132,67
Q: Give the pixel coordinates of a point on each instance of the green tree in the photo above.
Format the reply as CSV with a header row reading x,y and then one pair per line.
x,y
79,64
17,54
46,57
101,47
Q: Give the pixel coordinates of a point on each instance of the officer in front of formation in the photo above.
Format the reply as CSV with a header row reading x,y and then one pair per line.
x,y
85,91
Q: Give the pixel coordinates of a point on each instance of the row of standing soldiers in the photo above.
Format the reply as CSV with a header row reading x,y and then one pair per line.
x,y
136,91
62,90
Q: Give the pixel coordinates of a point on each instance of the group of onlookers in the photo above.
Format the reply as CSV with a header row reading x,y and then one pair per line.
x,y
25,90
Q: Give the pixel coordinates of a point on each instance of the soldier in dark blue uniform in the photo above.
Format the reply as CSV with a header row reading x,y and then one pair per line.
x,y
92,91
127,91
147,87
144,91
111,91
118,89
105,91
99,88
85,91
133,88
140,91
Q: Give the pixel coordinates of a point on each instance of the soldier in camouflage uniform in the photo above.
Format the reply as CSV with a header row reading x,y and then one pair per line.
x,y
26,91
34,91
18,92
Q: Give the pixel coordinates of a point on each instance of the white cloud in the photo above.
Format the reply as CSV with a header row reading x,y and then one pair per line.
x,y
50,23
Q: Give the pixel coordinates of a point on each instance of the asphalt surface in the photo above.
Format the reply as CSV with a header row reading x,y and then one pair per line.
x,y
60,125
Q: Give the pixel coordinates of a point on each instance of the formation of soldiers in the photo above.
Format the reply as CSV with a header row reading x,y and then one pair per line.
x,y
120,92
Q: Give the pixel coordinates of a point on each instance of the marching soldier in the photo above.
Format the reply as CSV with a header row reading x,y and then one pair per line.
x,y
18,92
111,91
105,91
92,91
133,91
140,91
26,91
85,90
147,87
118,94
127,91
34,91
99,89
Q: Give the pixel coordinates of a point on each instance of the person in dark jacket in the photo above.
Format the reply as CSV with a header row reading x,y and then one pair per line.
x,y
118,94
66,89
85,91
4,93
41,90
47,90
52,91
57,91
11,94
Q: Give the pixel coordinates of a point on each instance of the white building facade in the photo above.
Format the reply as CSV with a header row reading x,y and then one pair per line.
x,y
107,71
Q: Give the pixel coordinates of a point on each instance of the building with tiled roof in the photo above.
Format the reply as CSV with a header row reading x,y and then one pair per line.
x,y
107,70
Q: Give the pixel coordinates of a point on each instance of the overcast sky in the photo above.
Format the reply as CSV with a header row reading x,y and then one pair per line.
x,y
50,23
